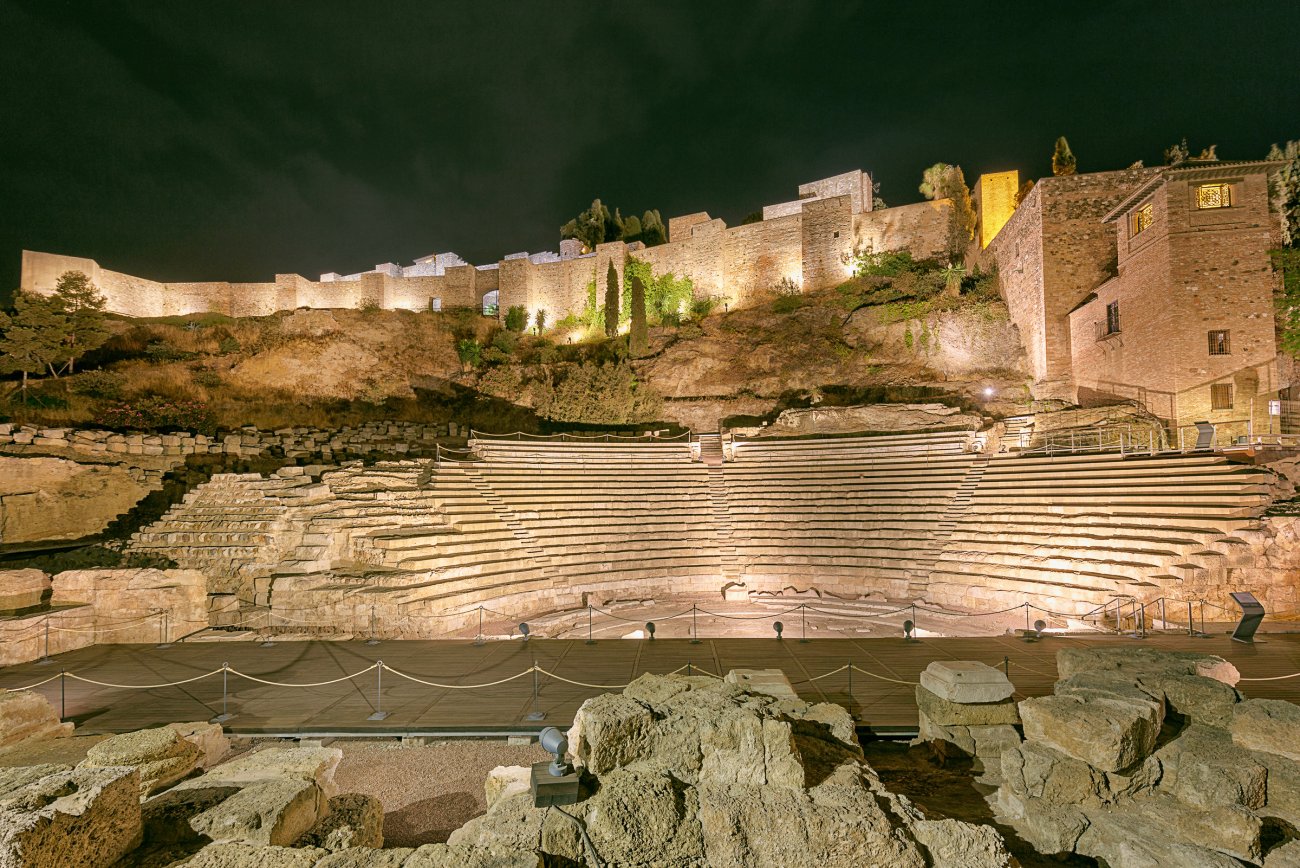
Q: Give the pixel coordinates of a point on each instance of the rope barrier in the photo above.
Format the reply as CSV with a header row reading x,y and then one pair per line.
x,y
31,686
125,626
400,674
823,675
141,686
882,677
369,668
579,683
750,617
1274,678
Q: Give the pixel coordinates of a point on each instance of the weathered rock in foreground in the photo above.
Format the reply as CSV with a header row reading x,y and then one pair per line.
x,y
351,820
80,818
689,770
25,715
161,756
1087,781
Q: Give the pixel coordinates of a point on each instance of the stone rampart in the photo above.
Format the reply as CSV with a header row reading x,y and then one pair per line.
x,y
807,244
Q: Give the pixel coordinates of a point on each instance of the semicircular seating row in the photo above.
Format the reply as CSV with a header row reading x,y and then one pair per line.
x,y
538,526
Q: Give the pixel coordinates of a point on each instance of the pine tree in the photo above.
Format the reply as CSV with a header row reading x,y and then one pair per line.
x,y
1063,162
611,301
32,338
640,332
652,229
79,300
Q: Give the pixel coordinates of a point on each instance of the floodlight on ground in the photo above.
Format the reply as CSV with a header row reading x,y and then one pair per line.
x,y
778,627
908,628
523,629
650,629
555,742
1039,626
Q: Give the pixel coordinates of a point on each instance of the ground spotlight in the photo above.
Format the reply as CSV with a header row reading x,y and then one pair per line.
x,y
778,627
554,741
1039,626
650,629
988,391
524,630
908,628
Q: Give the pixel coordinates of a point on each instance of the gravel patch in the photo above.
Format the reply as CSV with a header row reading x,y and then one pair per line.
x,y
427,792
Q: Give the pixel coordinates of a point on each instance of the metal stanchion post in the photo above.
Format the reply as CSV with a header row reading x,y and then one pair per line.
x,y
914,617
374,626
688,669
1191,631
479,639
1026,616
536,713
379,714
804,628
590,641
63,694
695,625
850,668
225,711
1203,633
46,658
1164,620
162,629
1006,666
270,625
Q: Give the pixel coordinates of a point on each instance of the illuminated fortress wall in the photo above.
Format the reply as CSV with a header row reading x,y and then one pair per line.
x,y
804,243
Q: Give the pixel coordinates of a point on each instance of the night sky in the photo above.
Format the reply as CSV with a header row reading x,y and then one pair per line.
x,y
229,140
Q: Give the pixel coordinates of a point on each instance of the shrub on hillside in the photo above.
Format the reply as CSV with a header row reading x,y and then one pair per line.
x,y
470,352
163,351
158,414
517,318
787,303
107,385
608,394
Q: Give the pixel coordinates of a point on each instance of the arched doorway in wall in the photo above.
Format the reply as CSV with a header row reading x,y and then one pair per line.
x,y
491,302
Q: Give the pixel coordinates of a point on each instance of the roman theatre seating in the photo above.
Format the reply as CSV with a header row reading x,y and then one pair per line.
x,y
528,526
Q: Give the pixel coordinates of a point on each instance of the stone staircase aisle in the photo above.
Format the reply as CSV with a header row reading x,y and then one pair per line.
x,y
532,548
919,579
712,456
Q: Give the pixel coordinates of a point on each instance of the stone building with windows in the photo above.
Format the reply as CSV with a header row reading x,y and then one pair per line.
x,y
1152,285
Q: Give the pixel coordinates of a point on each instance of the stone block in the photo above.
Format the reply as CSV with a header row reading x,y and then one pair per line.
x,y
1109,734
769,682
82,818
161,756
966,681
1042,774
1203,768
946,713
265,812
505,781
365,857
471,856
1135,662
1161,830
1268,726
315,764
27,716
20,589
1202,700
243,855
209,738
15,777
352,820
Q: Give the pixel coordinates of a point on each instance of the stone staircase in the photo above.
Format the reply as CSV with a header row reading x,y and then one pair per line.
x,y
919,580
712,456
1018,432
529,544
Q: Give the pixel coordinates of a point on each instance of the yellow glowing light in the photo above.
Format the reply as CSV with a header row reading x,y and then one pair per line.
x,y
576,337
625,328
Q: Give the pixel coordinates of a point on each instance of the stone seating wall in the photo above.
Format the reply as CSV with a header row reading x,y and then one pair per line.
x,y
1077,531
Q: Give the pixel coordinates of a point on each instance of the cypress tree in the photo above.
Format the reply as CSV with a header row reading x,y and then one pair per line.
x,y
1063,162
640,332
611,301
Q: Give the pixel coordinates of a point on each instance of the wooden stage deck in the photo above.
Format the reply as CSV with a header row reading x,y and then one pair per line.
x,y
343,708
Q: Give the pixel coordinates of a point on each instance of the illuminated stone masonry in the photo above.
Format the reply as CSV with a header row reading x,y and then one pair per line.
x,y
806,241
411,548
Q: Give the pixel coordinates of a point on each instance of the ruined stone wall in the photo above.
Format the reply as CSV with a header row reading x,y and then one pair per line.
x,y
827,242
921,228
1017,253
758,256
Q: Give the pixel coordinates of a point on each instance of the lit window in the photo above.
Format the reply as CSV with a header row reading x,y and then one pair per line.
x,y
1221,396
1214,196
1219,343
1143,217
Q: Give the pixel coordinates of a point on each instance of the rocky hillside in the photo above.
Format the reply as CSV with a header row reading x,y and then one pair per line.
x,y
339,367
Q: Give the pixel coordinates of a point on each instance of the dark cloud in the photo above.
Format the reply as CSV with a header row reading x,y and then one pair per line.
x,y
240,139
